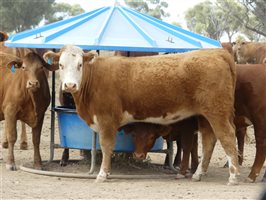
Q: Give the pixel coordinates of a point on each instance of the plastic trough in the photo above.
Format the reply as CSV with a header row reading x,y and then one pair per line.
x,y
75,133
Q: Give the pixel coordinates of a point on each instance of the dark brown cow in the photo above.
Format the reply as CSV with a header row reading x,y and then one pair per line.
x,y
145,135
110,92
25,96
134,53
250,103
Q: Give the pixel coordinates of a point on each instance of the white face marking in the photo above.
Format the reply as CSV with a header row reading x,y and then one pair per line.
x,y
168,119
70,66
95,125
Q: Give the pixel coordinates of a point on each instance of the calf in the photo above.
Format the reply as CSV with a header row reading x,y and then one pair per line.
x,y
145,135
24,96
112,91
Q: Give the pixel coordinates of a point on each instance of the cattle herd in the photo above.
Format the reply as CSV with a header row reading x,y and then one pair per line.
x,y
216,93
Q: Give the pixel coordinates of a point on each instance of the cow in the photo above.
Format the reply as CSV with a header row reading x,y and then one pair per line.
x,y
260,55
250,52
229,47
145,135
20,53
250,108
111,91
250,95
25,96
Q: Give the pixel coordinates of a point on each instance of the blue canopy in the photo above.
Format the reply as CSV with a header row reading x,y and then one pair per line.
x,y
113,28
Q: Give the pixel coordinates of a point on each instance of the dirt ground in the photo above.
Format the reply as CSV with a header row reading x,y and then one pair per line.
x,y
22,185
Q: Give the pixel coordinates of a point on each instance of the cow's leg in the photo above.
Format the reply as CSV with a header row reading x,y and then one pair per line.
x,y
107,138
23,137
208,143
260,154
225,132
65,158
194,154
177,160
36,136
264,177
166,161
186,144
240,135
11,134
4,140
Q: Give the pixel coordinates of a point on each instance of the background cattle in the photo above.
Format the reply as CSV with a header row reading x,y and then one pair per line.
x,y
110,92
250,103
25,96
250,52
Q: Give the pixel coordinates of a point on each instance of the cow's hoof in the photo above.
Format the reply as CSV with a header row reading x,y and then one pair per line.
x,y
180,176
249,180
232,182
63,163
100,179
38,167
24,146
226,165
196,177
11,167
5,145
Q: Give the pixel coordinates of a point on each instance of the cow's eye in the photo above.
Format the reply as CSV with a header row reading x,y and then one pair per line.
x,y
61,66
79,66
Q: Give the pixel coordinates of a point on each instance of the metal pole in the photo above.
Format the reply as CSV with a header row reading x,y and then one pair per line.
x,y
52,118
93,153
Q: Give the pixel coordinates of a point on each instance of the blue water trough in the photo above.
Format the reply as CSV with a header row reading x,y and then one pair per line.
x,y
76,134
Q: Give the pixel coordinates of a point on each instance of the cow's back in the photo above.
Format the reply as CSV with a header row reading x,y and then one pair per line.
x,y
250,89
164,83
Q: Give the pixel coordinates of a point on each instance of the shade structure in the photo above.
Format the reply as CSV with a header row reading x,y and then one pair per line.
x,y
113,28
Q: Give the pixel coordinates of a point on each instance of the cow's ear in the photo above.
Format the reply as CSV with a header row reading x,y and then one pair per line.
x,y
89,57
51,60
14,64
3,36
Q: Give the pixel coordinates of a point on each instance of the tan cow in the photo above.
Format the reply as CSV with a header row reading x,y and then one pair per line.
x,y
24,96
229,47
250,52
112,91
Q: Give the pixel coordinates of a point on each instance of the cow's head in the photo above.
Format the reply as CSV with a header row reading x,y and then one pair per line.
x,y
71,60
32,65
144,137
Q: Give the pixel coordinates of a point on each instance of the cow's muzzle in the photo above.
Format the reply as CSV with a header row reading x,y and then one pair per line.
x,y
139,156
70,87
33,84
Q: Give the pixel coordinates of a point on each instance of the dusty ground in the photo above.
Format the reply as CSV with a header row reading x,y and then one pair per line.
x,y
23,185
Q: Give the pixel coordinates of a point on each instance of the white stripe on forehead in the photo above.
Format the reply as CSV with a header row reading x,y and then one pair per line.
x,y
71,49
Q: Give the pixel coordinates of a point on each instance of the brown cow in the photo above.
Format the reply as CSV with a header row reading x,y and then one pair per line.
x,y
20,53
250,109
250,52
25,96
250,103
145,135
112,91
